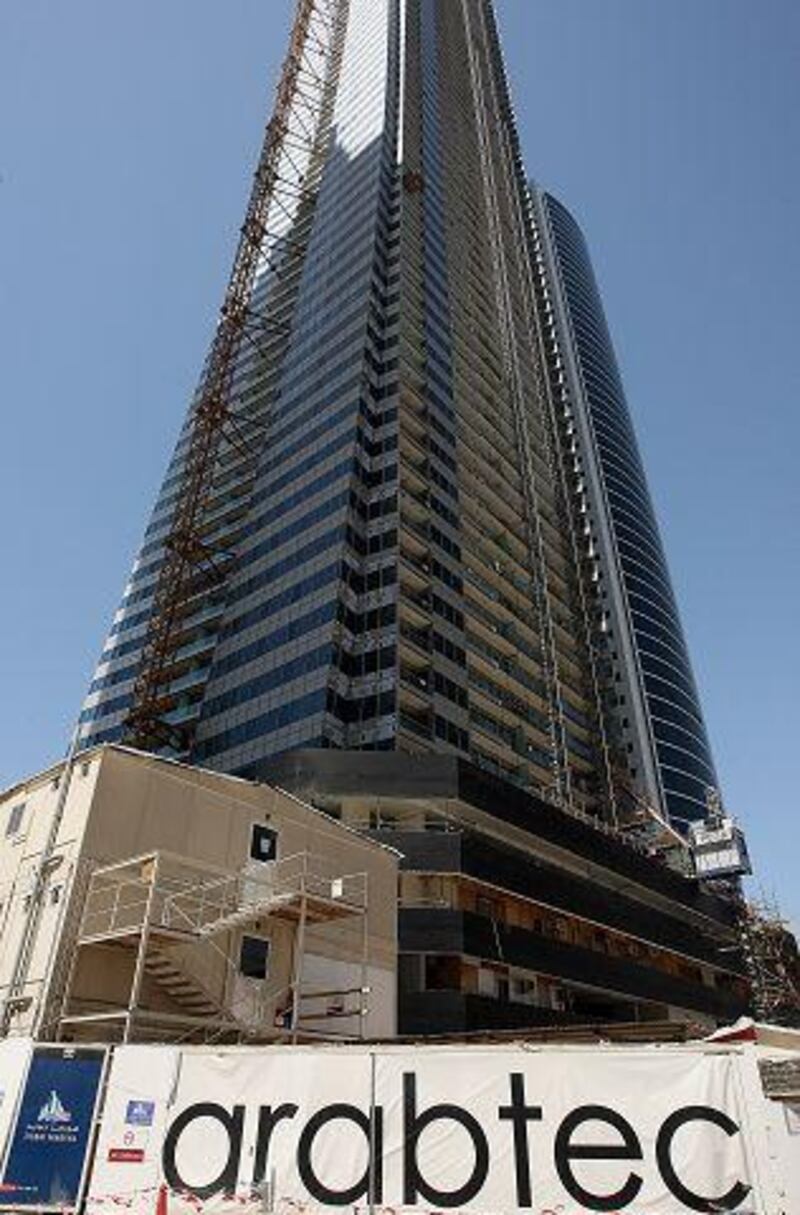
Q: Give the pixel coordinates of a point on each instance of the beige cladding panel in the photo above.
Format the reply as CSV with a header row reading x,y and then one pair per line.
x,y
39,797
190,813
124,804
20,855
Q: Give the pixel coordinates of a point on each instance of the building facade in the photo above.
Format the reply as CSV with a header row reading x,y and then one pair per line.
x,y
429,527
144,900
658,710
514,913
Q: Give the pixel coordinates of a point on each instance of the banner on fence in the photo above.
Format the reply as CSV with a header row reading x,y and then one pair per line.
x,y
127,1161
46,1160
648,1132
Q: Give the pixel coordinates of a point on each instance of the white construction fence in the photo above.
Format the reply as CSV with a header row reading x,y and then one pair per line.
x,y
547,1129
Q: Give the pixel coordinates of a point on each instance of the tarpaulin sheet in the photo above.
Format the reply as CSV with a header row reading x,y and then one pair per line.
x,y
647,1132
127,1163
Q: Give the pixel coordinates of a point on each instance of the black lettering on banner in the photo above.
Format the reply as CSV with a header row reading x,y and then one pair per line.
x,y
268,1119
520,1115
360,1188
232,1123
566,1151
414,1183
695,1202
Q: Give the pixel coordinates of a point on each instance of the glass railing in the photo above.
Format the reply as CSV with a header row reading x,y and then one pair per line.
x,y
198,675
211,612
418,636
199,646
417,528
483,722
494,656
183,713
421,728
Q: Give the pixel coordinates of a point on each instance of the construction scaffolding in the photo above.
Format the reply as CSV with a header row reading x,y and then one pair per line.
x,y
160,947
198,555
773,963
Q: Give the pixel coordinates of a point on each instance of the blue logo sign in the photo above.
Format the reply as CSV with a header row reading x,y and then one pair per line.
x,y
140,1113
53,1110
54,1124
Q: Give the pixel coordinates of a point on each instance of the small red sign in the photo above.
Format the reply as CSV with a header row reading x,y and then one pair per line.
x,y
126,1155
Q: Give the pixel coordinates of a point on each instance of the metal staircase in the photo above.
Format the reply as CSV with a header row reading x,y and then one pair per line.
x,y
180,986
180,924
245,914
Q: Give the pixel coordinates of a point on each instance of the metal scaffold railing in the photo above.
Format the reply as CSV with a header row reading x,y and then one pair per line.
x,y
176,929
773,963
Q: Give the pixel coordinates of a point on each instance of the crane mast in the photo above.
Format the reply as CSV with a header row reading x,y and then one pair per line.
x,y
284,187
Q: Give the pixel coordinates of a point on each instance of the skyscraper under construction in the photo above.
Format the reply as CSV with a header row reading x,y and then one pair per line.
x,y
423,523
406,512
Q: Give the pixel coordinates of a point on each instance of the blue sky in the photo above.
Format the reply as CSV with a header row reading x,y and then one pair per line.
x,y
127,135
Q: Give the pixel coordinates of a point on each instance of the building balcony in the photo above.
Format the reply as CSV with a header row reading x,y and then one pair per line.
x,y
520,874
419,726
213,611
454,1012
423,930
183,714
192,679
200,645
608,861
421,638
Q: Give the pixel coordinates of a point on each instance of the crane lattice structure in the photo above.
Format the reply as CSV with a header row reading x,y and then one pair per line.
x,y
284,188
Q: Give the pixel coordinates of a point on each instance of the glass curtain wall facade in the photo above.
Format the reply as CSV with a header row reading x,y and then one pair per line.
x,y
658,707
410,567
